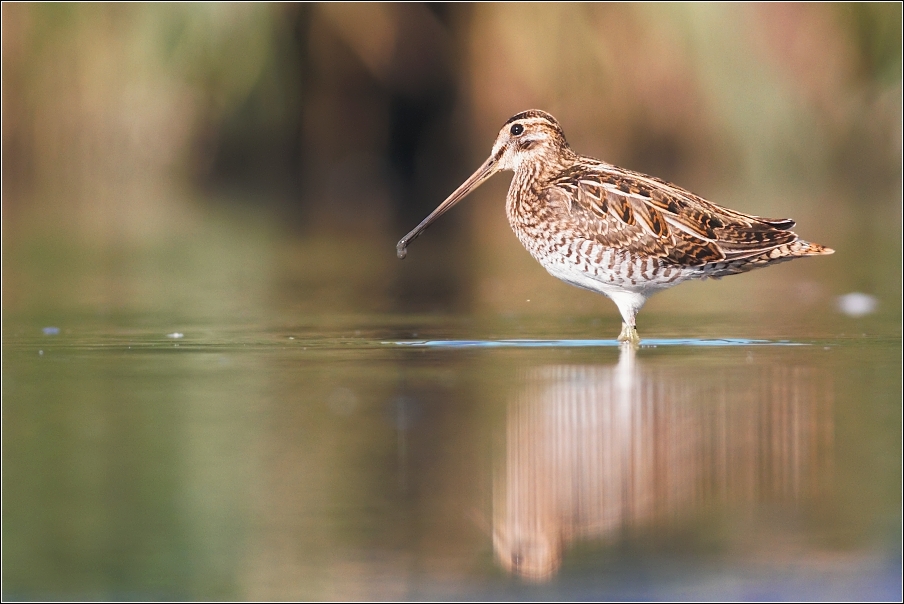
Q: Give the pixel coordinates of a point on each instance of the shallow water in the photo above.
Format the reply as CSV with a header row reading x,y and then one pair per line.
x,y
441,457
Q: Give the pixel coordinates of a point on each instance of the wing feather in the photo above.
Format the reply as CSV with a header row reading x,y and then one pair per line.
x,y
630,210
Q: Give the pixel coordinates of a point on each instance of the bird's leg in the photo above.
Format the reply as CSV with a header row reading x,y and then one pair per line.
x,y
629,303
628,334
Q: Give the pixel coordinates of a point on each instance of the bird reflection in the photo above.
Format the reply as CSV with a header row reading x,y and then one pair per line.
x,y
592,450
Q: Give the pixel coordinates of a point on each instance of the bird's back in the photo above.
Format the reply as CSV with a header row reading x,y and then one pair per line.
x,y
590,207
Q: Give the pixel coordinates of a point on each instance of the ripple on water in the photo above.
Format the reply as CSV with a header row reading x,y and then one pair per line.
x,y
652,343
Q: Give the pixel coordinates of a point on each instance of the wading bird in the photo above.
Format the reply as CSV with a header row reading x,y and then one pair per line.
x,y
614,231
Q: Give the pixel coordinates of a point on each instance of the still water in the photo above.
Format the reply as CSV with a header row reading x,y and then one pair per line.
x,y
442,457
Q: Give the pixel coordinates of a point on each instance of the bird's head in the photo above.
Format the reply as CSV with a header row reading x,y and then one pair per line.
x,y
530,138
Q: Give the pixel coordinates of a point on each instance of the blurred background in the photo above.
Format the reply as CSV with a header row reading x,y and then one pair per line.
x,y
209,384
230,158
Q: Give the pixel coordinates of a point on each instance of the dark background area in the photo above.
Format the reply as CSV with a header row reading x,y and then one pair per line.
x,y
335,128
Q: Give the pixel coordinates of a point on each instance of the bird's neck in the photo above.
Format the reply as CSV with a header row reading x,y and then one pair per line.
x,y
542,167
525,202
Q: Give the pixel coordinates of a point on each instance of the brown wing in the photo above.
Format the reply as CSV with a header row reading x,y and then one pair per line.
x,y
634,211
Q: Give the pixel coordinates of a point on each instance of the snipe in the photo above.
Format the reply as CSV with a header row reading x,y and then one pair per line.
x,y
620,233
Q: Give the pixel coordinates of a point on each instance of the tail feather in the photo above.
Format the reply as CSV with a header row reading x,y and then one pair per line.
x,y
788,251
805,248
779,253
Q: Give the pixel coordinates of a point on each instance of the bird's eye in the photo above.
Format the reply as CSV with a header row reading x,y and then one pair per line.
x,y
517,129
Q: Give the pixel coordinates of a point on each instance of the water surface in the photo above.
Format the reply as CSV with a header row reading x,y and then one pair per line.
x,y
385,456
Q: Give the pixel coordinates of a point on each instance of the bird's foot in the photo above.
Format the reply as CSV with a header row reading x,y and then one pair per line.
x,y
629,335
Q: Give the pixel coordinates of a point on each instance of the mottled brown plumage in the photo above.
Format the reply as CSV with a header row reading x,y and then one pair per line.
x,y
614,231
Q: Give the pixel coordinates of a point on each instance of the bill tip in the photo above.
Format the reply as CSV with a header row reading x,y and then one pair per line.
x,y
401,249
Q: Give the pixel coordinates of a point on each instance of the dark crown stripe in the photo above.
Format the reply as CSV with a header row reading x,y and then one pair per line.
x,y
535,113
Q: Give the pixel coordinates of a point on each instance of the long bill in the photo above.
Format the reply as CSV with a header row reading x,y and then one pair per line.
x,y
488,168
